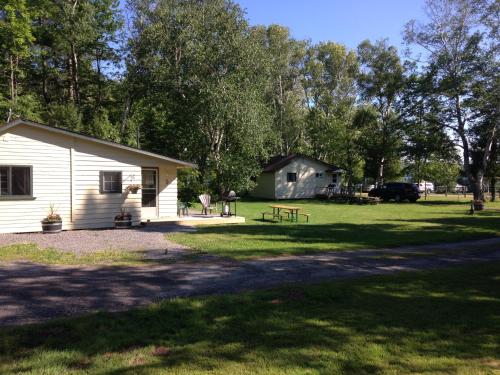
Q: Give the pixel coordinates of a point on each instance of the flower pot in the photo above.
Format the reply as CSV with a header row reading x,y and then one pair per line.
x,y
123,224
52,227
478,205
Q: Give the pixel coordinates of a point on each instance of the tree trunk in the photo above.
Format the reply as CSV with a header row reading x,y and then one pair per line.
x,y
465,142
74,62
125,113
12,86
45,90
99,89
478,186
71,87
138,136
493,183
478,189
380,174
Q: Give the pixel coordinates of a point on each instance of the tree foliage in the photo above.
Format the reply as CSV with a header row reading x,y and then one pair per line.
x,y
194,80
462,64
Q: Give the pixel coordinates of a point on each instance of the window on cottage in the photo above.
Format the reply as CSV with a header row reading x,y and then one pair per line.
x,y
291,177
15,181
110,182
319,175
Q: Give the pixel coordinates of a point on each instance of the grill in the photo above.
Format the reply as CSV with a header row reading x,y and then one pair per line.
x,y
229,204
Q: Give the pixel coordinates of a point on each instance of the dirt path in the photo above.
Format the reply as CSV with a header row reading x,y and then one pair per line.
x,y
33,292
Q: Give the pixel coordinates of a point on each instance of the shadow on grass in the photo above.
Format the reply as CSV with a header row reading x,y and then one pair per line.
x,y
366,326
443,202
270,239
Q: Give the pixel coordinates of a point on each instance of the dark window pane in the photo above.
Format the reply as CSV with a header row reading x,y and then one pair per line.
x,y
21,181
291,177
111,182
4,181
148,199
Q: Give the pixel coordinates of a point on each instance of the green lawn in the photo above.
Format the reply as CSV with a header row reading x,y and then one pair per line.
x,y
32,253
445,321
342,227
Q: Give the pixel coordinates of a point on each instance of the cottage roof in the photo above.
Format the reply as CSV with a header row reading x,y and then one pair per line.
x,y
53,129
277,162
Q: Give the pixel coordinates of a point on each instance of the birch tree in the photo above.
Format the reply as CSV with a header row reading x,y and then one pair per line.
x,y
460,43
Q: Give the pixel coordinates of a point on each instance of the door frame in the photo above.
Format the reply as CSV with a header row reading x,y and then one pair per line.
x,y
157,170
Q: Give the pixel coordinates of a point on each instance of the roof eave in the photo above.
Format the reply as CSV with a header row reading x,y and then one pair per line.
x,y
180,163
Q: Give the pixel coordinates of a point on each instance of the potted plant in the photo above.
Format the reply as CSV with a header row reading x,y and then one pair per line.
x,y
134,188
478,205
123,220
52,222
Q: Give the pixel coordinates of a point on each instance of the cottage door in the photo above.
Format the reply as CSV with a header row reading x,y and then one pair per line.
x,y
149,193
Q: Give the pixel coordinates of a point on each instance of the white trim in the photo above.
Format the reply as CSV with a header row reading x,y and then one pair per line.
x,y
95,140
157,190
72,181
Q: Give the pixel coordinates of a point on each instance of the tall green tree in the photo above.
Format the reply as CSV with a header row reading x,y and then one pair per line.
x,y
283,60
460,49
16,38
381,82
66,67
425,139
329,82
204,87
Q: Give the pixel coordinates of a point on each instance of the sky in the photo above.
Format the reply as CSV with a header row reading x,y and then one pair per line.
x,y
343,21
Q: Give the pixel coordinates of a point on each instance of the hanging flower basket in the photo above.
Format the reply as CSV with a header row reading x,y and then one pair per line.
x,y
133,189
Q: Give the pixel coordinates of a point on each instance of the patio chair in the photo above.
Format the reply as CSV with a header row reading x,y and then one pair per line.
x,y
182,208
205,202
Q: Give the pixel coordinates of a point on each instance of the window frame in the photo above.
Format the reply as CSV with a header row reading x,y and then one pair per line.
x,y
319,174
11,196
288,174
101,183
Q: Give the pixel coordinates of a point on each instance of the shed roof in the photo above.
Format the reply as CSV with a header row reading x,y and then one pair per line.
x,y
53,129
277,162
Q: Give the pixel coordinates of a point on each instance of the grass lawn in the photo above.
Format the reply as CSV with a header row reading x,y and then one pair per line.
x,y
445,321
32,253
343,227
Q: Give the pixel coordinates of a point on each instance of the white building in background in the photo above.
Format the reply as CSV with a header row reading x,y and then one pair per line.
x,y
296,176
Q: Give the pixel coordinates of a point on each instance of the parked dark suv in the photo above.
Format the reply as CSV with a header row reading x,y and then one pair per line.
x,y
399,191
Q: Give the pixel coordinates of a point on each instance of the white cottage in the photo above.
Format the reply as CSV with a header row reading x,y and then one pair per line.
x,y
85,178
296,176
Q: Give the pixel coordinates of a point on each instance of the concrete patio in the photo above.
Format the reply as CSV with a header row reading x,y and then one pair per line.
x,y
197,219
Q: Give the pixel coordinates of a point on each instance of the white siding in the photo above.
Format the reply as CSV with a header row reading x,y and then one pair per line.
x,y
49,156
168,191
307,182
90,208
266,186
78,201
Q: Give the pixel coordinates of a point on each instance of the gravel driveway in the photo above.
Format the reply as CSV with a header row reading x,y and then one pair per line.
x,y
150,238
34,292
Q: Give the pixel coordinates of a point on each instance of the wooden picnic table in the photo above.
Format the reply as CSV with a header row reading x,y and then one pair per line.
x,y
294,211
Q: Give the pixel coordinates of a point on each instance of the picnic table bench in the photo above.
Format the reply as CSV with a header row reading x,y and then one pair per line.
x,y
351,199
292,213
273,215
